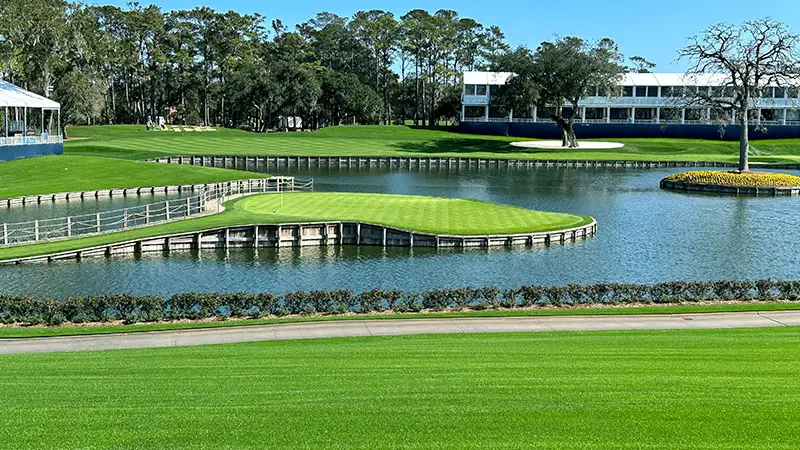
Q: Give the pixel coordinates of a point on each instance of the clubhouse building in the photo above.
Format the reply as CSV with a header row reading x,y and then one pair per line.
x,y
29,124
647,105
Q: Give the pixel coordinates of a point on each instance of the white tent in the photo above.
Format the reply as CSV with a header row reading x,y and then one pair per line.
x,y
28,118
15,96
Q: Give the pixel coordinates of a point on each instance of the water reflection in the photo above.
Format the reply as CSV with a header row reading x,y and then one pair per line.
x,y
645,235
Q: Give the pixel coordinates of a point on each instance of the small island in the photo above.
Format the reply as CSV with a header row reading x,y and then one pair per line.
x,y
733,182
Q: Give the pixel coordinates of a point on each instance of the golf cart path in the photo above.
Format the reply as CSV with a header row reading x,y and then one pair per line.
x,y
393,327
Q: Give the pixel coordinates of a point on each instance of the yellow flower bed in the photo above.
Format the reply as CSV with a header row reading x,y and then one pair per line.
x,y
753,179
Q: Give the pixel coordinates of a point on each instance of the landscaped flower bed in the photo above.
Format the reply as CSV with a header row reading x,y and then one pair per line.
x,y
748,179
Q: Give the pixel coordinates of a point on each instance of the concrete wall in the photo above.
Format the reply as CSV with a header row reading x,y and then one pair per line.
x,y
313,234
9,152
549,130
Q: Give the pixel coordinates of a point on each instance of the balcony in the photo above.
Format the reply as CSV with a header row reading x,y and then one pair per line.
x,y
475,100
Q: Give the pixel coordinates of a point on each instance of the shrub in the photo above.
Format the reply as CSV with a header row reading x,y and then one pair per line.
x,y
134,308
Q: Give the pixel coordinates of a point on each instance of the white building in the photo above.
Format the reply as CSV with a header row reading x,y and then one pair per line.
x,y
30,124
643,98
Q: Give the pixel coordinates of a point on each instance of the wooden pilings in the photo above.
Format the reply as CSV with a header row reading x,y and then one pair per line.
x,y
267,163
314,234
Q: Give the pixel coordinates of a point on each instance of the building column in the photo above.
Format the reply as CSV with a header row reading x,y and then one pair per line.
x,y
511,115
486,113
708,115
463,111
583,114
683,115
758,117
608,114
633,114
533,113
5,119
785,113
25,121
658,114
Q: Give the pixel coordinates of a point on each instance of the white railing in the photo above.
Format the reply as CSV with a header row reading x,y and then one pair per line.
x,y
210,199
30,140
475,100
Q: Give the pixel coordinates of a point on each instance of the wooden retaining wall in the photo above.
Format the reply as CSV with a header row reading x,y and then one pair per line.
x,y
265,163
124,192
735,190
312,234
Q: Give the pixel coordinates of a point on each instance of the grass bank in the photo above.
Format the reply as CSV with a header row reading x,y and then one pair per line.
x,y
417,213
633,389
94,329
136,143
70,173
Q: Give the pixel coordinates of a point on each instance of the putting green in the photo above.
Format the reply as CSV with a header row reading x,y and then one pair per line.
x,y
422,214
416,213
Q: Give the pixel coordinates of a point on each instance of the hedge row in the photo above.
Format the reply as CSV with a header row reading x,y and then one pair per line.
x,y
195,306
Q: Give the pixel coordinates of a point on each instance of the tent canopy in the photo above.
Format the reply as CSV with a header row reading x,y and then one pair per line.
x,y
15,96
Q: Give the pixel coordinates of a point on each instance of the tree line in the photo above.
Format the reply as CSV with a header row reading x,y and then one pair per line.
x,y
107,64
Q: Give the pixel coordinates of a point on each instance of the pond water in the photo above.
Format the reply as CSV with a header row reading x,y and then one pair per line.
x,y
644,235
62,208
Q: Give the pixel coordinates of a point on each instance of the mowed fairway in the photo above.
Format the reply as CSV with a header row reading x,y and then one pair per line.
x,y
668,389
64,173
416,213
136,143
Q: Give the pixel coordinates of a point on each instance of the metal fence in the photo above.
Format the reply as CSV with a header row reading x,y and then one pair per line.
x,y
210,199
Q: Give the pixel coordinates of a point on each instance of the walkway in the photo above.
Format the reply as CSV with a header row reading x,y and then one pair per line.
x,y
350,328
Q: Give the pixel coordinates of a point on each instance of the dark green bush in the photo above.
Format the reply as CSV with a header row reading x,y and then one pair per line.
x,y
128,308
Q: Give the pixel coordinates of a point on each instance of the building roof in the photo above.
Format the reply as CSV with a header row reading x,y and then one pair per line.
x,y
490,78
11,95
629,79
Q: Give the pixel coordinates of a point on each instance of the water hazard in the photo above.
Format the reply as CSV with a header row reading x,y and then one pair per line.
x,y
644,235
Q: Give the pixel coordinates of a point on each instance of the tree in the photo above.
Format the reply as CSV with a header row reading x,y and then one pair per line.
x,y
558,75
748,58
640,65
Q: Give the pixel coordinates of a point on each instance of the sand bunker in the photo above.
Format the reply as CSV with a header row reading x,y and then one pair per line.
x,y
556,145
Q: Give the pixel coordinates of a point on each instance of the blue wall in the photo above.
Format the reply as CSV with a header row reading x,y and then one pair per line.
x,y
9,152
549,130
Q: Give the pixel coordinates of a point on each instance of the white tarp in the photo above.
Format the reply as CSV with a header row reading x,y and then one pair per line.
x,y
11,95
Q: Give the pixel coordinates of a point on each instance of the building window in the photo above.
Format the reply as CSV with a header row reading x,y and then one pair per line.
x,y
469,89
780,92
641,91
728,92
474,111
627,91
480,89
652,91
766,92
793,92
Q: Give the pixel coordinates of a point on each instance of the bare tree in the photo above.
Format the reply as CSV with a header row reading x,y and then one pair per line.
x,y
746,59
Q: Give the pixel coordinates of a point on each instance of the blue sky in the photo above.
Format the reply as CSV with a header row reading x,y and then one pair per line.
x,y
653,29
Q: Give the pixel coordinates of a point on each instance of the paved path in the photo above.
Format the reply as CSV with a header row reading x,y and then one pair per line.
x,y
344,328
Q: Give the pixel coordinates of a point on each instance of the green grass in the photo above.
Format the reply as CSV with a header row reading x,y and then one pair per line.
x,y
417,213
136,143
71,330
631,389
53,174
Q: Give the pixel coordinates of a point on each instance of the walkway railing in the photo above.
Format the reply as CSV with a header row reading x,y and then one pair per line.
x,y
209,200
